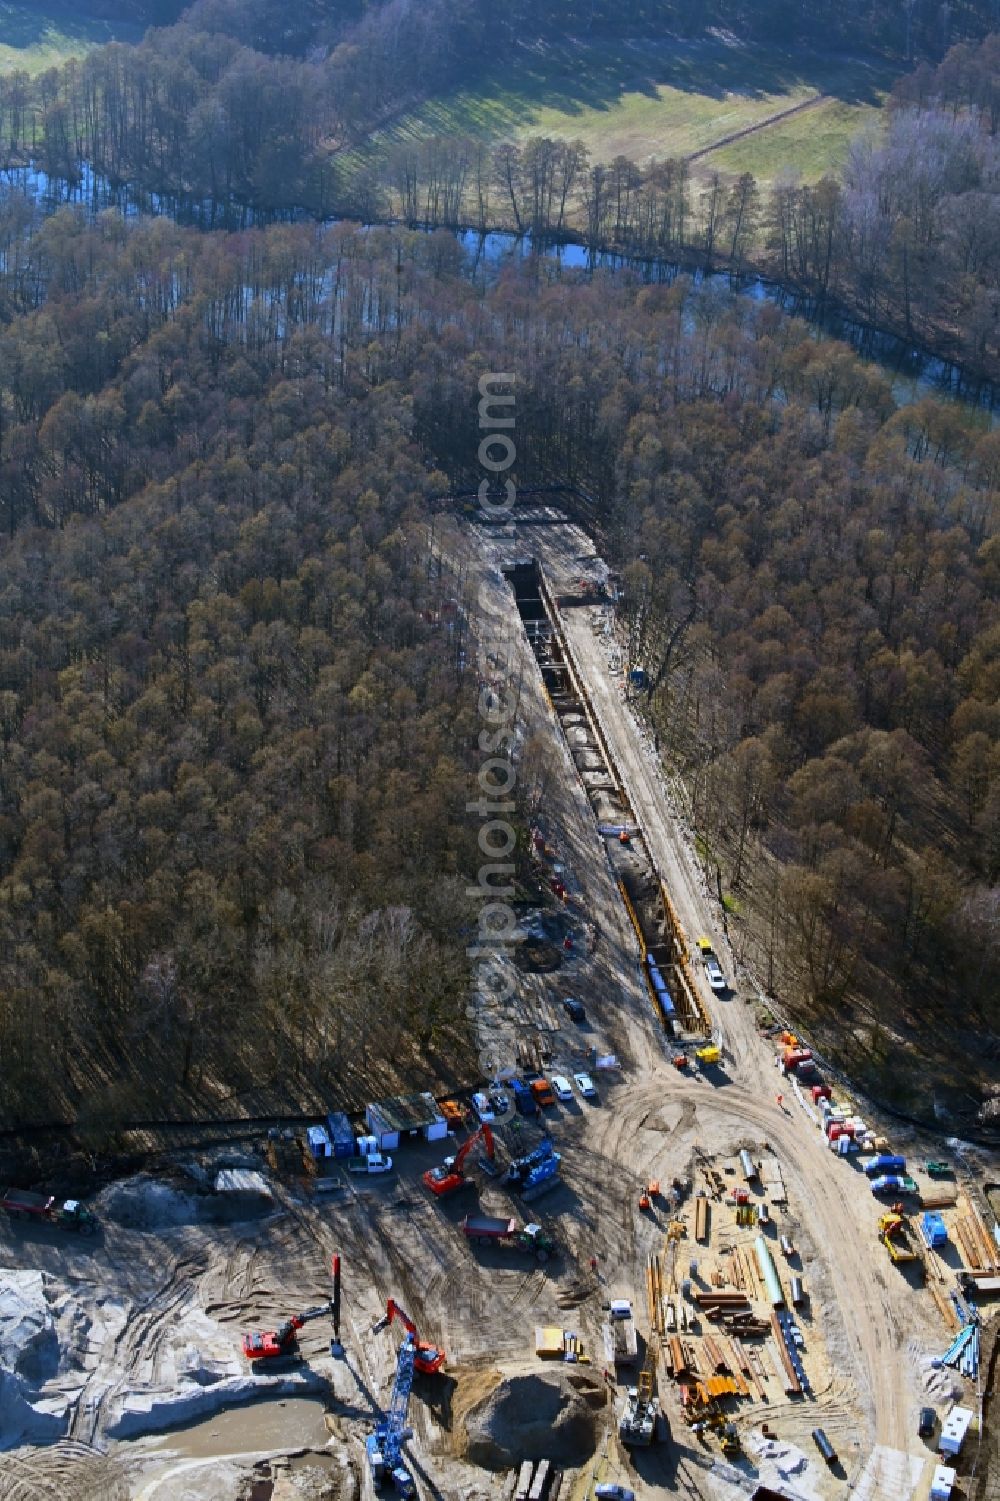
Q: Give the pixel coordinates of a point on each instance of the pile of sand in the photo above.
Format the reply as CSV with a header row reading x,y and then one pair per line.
x,y
550,1415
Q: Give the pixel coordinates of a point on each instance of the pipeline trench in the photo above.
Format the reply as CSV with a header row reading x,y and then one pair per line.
x,y
662,943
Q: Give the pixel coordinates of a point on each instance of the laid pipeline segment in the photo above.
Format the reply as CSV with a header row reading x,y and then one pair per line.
x,y
661,943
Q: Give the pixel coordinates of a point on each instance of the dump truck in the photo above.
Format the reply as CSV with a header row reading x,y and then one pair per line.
x,y
68,1214
895,1234
541,1090
495,1230
621,1332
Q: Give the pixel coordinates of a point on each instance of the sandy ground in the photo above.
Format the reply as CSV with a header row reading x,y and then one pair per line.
x,y
121,1337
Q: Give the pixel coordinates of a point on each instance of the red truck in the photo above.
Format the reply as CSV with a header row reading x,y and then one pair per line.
x,y
69,1214
493,1230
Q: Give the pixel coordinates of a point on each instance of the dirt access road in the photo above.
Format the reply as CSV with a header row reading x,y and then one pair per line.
x,y
874,1305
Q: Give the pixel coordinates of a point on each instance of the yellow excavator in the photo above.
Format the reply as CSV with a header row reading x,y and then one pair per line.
x,y
894,1233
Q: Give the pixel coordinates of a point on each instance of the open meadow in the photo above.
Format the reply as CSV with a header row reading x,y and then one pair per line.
x,y
36,37
717,101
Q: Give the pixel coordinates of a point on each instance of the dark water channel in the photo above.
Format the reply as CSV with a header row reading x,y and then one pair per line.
x,y
914,371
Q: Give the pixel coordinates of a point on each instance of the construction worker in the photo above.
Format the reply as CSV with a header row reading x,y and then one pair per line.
x,y
781,1099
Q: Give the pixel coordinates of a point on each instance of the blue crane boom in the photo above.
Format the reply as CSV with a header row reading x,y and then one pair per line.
x,y
384,1447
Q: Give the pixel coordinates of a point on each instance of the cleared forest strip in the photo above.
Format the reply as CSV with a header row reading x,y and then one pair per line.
x,y
749,130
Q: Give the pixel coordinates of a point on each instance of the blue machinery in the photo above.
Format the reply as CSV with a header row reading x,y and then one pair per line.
x,y
384,1447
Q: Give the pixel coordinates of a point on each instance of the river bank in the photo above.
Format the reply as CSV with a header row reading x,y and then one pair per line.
x,y
916,370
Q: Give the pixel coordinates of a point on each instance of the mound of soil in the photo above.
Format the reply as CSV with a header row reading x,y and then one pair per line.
x,y
538,957
144,1203
551,1415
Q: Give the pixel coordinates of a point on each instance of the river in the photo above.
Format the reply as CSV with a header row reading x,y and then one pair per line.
x,y
915,372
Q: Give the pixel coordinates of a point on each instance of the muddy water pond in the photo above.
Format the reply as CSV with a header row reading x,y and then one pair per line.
x,y
255,1427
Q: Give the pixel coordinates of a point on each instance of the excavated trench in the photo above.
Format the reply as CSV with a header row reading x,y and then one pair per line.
x,y
641,888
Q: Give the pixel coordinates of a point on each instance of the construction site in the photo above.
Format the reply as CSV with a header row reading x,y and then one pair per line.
x,y
656,1248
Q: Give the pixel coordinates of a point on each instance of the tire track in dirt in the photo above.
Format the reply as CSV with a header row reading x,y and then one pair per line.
x,y
138,1341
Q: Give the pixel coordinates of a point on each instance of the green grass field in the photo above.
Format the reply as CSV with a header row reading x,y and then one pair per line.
x,y
813,142
36,37
668,98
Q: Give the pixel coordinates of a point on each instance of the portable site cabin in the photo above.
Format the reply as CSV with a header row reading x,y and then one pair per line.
x,y
413,1115
953,1430
942,1483
934,1228
319,1141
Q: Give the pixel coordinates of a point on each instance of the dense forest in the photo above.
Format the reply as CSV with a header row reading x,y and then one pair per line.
x,y
236,701
237,705
233,721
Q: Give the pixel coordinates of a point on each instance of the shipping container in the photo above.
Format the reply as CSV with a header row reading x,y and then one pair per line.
x,y
339,1130
747,1166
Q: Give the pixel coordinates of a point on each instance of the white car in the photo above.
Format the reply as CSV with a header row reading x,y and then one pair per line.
x,y
610,1491
561,1087
585,1085
481,1105
713,970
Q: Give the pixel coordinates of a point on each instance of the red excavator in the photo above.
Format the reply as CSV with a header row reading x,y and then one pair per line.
x,y
429,1358
283,1343
450,1176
